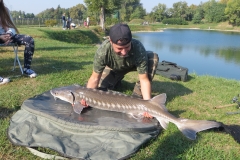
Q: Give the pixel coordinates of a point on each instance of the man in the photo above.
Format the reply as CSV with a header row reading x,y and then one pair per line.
x,y
119,55
64,21
88,21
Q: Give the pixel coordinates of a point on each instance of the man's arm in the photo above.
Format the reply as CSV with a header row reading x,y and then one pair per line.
x,y
145,86
94,80
146,90
92,83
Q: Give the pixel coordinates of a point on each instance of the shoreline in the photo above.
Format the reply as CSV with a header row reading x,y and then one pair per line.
x,y
162,30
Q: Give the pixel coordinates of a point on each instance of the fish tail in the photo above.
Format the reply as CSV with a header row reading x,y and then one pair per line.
x,y
190,127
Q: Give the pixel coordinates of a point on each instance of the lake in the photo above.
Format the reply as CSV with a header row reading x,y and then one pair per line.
x,y
204,52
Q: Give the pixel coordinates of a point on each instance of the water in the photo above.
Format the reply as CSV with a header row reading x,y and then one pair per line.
x,y
202,52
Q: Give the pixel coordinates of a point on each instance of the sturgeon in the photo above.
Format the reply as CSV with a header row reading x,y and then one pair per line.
x,y
119,102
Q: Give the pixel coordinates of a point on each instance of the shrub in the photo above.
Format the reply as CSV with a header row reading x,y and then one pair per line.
x,y
136,21
177,21
111,21
51,23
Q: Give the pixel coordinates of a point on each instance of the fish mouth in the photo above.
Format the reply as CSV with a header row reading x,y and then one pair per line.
x,y
52,93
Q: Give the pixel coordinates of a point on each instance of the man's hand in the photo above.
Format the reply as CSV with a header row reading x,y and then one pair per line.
x,y
147,115
84,103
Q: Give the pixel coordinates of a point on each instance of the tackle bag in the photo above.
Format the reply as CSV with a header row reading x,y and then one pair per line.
x,y
172,70
94,134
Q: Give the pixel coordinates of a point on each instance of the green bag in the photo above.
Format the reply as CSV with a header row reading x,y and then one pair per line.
x,y
94,134
172,70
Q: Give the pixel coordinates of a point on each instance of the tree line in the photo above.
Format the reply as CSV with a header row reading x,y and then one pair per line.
x,y
112,11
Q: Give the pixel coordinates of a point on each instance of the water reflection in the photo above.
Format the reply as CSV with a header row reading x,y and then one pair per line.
x,y
203,52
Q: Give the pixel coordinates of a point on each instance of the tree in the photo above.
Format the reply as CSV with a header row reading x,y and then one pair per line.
x,y
179,10
48,13
191,10
224,1
214,11
21,14
128,7
103,7
58,12
200,10
53,13
197,18
159,12
233,12
78,11
138,13
29,15
199,14
149,17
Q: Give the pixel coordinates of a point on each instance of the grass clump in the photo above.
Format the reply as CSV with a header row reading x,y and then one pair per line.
x,y
72,36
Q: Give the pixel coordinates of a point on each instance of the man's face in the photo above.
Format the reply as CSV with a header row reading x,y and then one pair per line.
x,y
122,51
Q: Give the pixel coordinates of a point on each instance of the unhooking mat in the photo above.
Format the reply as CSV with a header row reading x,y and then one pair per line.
x,y
94,134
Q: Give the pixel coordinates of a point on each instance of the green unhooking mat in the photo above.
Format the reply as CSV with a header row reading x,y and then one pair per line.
x,y
94,134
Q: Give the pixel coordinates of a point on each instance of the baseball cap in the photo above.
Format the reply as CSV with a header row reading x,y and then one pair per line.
x,y
120,32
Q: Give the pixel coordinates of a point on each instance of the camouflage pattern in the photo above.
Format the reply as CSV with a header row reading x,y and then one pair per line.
x,y
113,67
152,66
137,59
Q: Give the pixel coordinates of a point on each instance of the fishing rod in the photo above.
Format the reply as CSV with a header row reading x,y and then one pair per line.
x,y
234,101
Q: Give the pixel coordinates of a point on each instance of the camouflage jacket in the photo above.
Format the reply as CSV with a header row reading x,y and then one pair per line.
x,y
137,59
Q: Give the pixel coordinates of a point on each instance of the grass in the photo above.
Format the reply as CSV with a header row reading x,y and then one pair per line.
x,y
65,57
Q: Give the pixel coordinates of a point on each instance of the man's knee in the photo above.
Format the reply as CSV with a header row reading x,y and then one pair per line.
x,y
137,93
110,80
153,60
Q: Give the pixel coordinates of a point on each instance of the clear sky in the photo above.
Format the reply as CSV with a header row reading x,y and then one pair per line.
x,y
37,6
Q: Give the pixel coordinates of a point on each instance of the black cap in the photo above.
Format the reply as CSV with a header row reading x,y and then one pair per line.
x,y
120,32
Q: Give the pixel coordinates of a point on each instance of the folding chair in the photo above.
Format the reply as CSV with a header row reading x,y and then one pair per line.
x,y
15,50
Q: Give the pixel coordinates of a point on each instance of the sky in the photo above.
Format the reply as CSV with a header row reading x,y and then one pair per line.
x,y
37,6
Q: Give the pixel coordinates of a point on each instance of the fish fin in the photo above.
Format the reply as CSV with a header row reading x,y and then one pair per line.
x,y
160,100
77,107
190,127
163,122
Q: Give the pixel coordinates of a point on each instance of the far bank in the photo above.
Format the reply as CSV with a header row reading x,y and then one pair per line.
x,y
223,26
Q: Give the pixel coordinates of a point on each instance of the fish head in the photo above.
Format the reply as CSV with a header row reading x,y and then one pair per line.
x,y
63,93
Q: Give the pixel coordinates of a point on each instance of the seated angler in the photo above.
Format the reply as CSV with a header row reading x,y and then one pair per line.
x,y
8,34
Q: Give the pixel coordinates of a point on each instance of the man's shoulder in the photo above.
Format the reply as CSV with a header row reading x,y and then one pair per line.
x,y
104,47
135,41
137,46
106,44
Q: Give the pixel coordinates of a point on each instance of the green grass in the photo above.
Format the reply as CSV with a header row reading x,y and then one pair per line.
x,y
61,61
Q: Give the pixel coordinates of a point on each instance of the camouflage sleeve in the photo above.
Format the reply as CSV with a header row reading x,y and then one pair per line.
x,y
141,59
99,62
